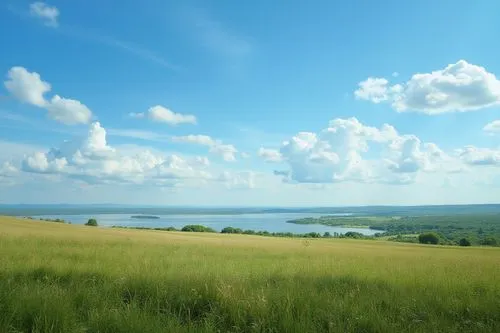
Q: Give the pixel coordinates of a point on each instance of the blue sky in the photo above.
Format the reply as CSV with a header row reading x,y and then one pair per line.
x,y
249,103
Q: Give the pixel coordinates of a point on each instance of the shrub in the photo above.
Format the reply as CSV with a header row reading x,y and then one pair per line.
x,y
428,238
197,228
91,223
464,242
353,234
489,241
231,230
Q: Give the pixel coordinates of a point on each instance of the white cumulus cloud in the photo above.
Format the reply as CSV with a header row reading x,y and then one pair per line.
x,y
40,163
348,150
48,14
161,114
94,161
373,89
479,156
29,88
459,87
68,111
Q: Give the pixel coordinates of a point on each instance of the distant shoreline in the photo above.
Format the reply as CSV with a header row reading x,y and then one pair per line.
x,y
30,210
148,217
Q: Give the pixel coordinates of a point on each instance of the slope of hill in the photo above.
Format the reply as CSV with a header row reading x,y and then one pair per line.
x,y
68,278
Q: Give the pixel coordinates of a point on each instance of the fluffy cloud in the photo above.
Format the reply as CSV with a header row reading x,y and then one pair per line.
x,y
373,89
95,145
48,14
28,87
161,114
94,161
458,87
42,163
270,155
493,127
479,156
408,154
226,151
68,111
348,150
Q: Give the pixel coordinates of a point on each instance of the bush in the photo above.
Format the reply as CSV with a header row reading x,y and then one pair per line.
x,y
197,228
490,241
464,242
428,238
91,223
231,230
353,234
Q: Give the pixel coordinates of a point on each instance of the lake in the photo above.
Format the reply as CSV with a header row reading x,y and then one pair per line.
x,y
272,222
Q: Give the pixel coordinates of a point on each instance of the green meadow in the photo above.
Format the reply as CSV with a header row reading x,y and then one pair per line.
x,y
56,277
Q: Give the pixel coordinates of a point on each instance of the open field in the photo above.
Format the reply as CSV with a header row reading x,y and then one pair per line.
x,y
67,278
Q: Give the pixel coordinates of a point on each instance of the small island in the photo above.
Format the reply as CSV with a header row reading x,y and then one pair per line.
x,y
149,217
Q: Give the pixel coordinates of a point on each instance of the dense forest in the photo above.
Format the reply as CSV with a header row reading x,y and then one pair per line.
x,y
480,229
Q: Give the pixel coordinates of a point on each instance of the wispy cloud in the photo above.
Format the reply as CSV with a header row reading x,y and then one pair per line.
x,y
16,121
134,49
50,15
19,122
138,134
215,35
4,115
126,46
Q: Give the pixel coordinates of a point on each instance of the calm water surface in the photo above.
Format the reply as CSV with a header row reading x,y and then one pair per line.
x,y
275,222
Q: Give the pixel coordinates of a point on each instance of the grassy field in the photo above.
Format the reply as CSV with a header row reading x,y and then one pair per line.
x,y
67,278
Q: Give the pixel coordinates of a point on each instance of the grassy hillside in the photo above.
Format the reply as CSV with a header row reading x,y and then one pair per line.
x,y
66,278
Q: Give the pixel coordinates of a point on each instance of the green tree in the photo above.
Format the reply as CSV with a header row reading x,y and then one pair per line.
x,y
197,228
91,223
231,230
428,238
353,234
490,241
464,242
